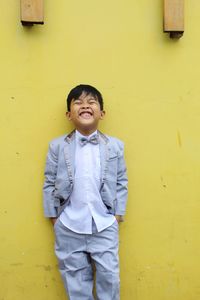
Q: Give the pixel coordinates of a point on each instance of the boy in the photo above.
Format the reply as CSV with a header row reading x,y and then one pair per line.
x,y
85,194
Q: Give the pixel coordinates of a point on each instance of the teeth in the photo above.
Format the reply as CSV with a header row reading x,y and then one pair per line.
x,y
85,115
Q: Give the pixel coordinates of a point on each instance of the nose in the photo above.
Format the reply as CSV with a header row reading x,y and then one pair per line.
x,y
85,105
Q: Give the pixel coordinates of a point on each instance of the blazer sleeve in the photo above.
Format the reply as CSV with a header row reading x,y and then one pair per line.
x,y
49,183
122,182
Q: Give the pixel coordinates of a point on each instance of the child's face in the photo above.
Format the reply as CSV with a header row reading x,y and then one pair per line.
x,y
85,113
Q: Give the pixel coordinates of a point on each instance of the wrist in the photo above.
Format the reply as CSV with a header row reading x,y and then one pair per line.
x,y
119,218
53,220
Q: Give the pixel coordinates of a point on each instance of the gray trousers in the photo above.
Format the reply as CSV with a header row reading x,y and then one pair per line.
x,y
78,253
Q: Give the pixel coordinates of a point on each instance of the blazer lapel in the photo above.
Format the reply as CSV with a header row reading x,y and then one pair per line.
x,y
104,154
69,152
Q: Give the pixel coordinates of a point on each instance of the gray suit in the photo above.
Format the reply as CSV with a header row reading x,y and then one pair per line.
x,y
59,174
76,251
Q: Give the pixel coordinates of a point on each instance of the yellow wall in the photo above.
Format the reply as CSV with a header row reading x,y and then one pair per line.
x,y
152,97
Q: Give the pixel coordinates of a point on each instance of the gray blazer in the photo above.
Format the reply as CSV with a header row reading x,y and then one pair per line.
x,y
59,174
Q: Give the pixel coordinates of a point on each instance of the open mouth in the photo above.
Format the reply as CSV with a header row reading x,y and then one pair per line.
x,y
86,114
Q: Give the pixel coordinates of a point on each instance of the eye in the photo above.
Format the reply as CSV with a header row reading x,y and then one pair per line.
x,y
77,101
92,101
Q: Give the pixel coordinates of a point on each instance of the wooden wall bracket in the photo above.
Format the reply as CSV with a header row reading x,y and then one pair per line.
x,y
174,18
32,12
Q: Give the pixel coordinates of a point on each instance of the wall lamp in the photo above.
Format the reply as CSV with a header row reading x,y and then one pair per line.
x,y
32,12
174,18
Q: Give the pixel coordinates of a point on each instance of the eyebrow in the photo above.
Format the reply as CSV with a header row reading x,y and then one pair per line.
x,y
92,98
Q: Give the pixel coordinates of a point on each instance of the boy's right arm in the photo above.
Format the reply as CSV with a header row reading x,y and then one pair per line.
x,y
49,183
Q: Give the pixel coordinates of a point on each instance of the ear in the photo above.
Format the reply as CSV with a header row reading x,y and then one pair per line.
x,y
102,114
68,115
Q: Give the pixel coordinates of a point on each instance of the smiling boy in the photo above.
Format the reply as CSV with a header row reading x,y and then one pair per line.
x,y
85,193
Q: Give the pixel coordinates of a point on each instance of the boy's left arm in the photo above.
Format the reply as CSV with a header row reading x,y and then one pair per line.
x,y
122,189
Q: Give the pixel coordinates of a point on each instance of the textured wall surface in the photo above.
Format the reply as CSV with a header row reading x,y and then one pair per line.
x,y
152,98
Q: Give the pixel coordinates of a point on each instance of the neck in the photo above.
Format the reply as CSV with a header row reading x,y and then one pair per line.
x,y
86,132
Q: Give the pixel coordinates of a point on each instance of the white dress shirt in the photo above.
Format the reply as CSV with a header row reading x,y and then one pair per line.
x,y
85,201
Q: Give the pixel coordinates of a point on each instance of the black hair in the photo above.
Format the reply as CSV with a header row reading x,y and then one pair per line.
x,y
76,92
